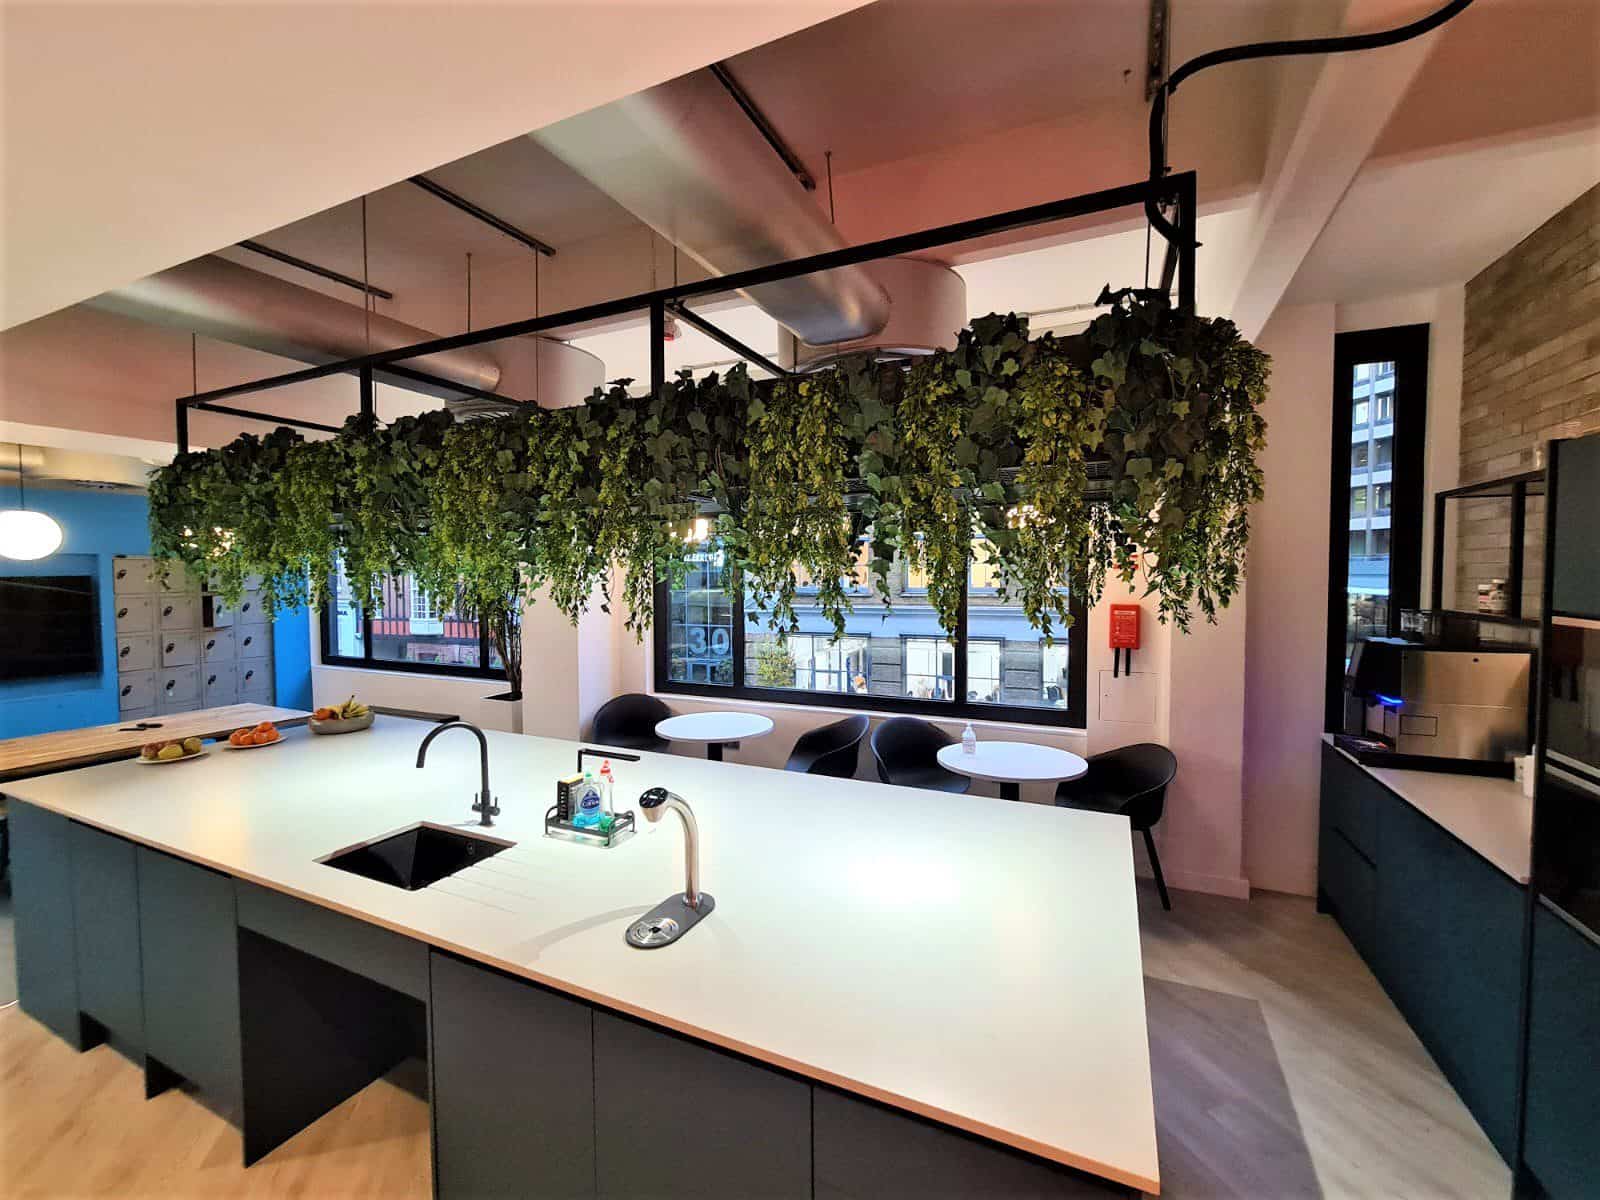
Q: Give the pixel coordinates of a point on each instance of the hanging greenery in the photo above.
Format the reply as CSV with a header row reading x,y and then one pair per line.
x,y
994,442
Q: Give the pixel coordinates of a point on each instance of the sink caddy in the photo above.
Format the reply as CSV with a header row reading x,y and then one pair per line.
x,y
622,824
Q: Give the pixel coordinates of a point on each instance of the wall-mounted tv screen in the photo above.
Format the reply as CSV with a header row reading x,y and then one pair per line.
x,y
48,626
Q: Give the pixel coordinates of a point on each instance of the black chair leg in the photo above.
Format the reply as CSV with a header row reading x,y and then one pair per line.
x,y
1155,866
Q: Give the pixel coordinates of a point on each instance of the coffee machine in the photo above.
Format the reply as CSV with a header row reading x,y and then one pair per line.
x,y
1464,707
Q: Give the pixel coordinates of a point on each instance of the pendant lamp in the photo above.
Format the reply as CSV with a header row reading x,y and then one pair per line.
x,y
26,535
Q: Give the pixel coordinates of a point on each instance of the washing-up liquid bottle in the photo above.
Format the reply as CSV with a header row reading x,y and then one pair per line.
x,y
969,740
608,787
587,811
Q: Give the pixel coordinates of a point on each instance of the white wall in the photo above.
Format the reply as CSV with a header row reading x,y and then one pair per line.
x,y
1286,635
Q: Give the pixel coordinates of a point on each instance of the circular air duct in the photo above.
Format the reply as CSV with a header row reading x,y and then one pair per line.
x,y
927,309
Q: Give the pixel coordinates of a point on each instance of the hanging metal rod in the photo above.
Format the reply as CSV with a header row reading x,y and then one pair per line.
x,y
1180,186
724,339
327,273
481,214
764,126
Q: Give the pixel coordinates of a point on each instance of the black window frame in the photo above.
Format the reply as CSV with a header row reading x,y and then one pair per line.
x,y
1406,346
1073,716
366,661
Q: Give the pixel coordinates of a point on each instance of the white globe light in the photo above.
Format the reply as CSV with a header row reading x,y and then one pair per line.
x,y
27,535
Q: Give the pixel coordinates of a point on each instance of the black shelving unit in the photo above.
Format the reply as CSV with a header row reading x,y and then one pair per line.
x,y
1516,490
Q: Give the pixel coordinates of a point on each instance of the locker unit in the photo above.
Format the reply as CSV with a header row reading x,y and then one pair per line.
x,y
179,648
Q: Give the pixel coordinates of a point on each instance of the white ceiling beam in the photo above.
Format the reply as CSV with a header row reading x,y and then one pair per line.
x,y
1329,113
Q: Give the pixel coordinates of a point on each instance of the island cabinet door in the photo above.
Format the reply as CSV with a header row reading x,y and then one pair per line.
x,y
867,1152
105,904
1563,1127
1449,953
513,1087
41,899
678,1119
189,943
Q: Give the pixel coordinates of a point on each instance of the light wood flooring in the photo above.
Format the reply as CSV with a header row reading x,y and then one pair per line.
x,y
1281,1071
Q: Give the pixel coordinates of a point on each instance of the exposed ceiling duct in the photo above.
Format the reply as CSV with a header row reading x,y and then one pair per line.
x,y
686,160
929,310
220,299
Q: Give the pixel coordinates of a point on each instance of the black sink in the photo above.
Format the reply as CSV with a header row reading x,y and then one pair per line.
x,y
416,857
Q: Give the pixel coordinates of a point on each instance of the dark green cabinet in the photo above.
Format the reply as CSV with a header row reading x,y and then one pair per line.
x,y
189,942
41,898
513,1087
1563,1129
864,1151
1441,928
679,1119
105,904
1449,952
1575,569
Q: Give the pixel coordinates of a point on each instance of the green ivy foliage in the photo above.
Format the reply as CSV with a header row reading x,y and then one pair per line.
x,y
992,441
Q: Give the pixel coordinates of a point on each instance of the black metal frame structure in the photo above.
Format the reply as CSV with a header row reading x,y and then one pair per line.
x,y
1514,489
1177,192
1407,347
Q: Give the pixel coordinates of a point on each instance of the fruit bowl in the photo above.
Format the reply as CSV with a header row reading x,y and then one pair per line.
x,y
342,724
187,748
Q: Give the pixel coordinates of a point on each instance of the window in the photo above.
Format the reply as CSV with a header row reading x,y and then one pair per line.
x,y
411,632
1381,380
894,658
1358,456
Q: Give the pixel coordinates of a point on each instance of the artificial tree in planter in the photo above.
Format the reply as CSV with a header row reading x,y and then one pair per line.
x,y
995,440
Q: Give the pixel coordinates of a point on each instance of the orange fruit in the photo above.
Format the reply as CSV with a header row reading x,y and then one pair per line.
x,y
236,738
270,735
263,727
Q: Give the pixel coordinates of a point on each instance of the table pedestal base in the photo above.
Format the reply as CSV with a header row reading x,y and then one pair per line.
x,y
1010,790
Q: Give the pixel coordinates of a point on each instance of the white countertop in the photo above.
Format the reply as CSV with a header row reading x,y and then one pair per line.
x,y
730,726
1012,762
1490,815
964,958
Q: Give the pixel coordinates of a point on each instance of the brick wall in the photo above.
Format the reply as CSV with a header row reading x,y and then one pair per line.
x,y
1531,372
1532,360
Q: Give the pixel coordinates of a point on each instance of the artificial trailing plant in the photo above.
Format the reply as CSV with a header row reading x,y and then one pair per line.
x,y
1130,448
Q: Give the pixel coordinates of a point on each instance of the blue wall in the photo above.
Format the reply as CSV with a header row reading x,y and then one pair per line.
x,y
97,526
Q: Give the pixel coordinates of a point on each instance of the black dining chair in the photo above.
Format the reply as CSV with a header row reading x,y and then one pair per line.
x,y
1132,782
830,750
630,721
906,750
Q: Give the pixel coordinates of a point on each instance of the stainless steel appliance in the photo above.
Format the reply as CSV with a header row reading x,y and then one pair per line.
x,y
1446,703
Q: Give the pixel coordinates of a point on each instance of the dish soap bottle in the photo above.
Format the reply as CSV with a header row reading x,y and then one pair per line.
x,y
586,813
608,785
969,740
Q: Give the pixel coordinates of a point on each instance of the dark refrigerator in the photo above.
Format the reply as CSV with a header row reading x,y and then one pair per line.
x,y
1561,1110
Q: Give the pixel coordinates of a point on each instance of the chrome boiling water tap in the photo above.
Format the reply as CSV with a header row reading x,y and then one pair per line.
x,y
676,915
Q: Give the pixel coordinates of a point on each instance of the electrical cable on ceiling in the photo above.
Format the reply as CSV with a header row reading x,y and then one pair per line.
x,y
828,156
1279,49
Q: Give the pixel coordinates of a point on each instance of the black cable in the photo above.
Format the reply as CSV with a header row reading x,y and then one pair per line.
x,y
1282,49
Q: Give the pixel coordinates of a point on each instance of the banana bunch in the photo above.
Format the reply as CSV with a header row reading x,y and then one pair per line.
x,y
351,709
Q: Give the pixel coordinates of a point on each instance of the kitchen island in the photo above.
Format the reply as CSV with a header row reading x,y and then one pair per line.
x,y
895,985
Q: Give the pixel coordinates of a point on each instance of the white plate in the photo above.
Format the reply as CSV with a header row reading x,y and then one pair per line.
x,y
167,762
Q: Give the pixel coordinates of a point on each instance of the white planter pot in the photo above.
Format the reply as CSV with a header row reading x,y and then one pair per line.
x,y
501,713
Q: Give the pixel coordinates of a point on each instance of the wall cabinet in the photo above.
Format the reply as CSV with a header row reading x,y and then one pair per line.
x,y
1563,1127
1441,928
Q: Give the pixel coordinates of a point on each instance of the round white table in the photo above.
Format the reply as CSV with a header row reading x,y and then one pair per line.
x,y
715,729
1011,764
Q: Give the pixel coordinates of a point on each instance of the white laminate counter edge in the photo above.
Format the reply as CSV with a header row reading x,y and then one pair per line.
x,y
1487,814
1131,1159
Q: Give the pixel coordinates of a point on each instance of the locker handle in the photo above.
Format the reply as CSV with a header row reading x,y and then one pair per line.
x,y
167,611
210,679
124,651
212,644
171,646
126,690
248,639
171,683
121,612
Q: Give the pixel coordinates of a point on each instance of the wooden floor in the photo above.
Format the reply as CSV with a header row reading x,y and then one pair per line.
x,y
1281,1071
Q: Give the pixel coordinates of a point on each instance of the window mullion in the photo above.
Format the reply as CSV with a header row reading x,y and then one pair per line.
x,y
960,686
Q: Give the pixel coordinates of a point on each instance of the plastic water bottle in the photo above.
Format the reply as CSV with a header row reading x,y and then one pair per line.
x,y
969,740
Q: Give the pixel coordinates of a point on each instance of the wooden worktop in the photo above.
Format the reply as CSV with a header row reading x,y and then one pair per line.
x,y
46,752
